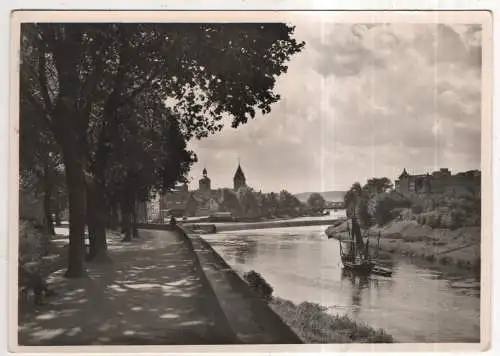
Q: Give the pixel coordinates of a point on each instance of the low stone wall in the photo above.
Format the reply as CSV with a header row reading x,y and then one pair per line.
x,y
251,319
217,227
273,224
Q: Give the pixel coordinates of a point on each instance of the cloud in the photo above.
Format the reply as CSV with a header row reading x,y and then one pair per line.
x,y
361,100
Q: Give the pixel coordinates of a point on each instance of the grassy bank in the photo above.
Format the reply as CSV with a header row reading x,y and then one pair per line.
x,y
313,324
458,248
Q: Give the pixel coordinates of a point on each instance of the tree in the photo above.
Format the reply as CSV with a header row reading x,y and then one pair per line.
x,y
230,202
352,199
39,157
248,202
316,202
272,201
288,203
376,186
80,76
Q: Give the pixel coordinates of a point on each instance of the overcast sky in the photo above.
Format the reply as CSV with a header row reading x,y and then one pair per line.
x,y
360,101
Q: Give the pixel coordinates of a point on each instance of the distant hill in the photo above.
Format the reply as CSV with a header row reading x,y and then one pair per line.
x,y
329,196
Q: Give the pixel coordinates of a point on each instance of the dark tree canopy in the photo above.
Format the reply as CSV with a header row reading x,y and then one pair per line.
x,y
122,99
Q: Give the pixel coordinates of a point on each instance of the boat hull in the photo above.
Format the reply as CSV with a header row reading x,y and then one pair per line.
x,y
362,267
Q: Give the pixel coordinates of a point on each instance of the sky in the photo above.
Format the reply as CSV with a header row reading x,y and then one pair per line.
x,y
360,101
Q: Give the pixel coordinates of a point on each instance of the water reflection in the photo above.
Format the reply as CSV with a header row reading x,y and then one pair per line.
x,y
245,252
358,283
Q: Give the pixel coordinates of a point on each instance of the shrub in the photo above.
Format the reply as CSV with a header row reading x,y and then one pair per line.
x,y
417,209
33,242
258,285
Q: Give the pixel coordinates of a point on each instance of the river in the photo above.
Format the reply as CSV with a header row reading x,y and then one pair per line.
x,y
416,304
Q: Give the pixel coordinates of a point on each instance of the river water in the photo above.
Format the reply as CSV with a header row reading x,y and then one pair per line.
x,y
416,304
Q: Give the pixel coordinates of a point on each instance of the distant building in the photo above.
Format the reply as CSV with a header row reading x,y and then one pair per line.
x,y
204,184
201,202
239,179
153,209
439,182
174,200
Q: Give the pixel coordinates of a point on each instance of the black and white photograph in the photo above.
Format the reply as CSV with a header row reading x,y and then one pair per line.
x,y
229,178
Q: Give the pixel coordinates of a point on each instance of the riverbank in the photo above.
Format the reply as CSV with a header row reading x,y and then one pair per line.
x,y
267,224
459,248
237,226
309,321
250,318
313,324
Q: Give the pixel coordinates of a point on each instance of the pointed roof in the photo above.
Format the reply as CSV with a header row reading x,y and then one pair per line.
x,y
404,174
204,172
239,173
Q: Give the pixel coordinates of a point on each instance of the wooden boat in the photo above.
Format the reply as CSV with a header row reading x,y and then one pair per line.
x,y
353,259
381,271
354,254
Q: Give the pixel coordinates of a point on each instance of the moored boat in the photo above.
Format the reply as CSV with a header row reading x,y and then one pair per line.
x,y
354,254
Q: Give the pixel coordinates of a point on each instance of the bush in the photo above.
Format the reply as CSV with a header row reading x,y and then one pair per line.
x,y
387,206
259,285
33,242
417,209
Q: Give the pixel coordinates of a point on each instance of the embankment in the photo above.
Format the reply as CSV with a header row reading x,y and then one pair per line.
x,y
217,227
458,248
272,224
314,324
254,320
249,317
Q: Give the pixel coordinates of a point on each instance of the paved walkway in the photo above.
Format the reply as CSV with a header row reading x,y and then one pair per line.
x,y
153,293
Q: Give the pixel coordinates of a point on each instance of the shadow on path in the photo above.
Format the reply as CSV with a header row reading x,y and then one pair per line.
x,y
152,293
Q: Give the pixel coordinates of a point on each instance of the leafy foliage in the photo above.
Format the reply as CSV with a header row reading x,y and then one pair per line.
x,y
33,242
384,206
357,201
93,88
259,285
316,202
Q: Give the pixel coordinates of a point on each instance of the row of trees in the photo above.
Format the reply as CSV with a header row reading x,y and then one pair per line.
x,y
248,203
93,108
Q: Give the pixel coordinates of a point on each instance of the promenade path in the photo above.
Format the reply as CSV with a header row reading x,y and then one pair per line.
x,y
152,293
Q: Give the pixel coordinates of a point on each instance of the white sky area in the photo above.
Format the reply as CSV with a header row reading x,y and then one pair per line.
x,y
359,101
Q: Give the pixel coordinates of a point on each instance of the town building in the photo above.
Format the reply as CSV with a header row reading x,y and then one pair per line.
x,y
204,183
201,202
441,181
239,179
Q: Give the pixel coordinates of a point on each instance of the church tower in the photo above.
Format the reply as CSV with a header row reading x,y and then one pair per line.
x,y
204,183
239,179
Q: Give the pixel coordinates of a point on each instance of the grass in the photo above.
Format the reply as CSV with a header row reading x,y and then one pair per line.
x,y
313,324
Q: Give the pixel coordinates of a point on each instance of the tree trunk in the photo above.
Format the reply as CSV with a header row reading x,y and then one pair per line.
x,y
101,220
49,223
70,131
91,222
75,178
126,218
113,221
57,213
135,231
96,210
47,200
